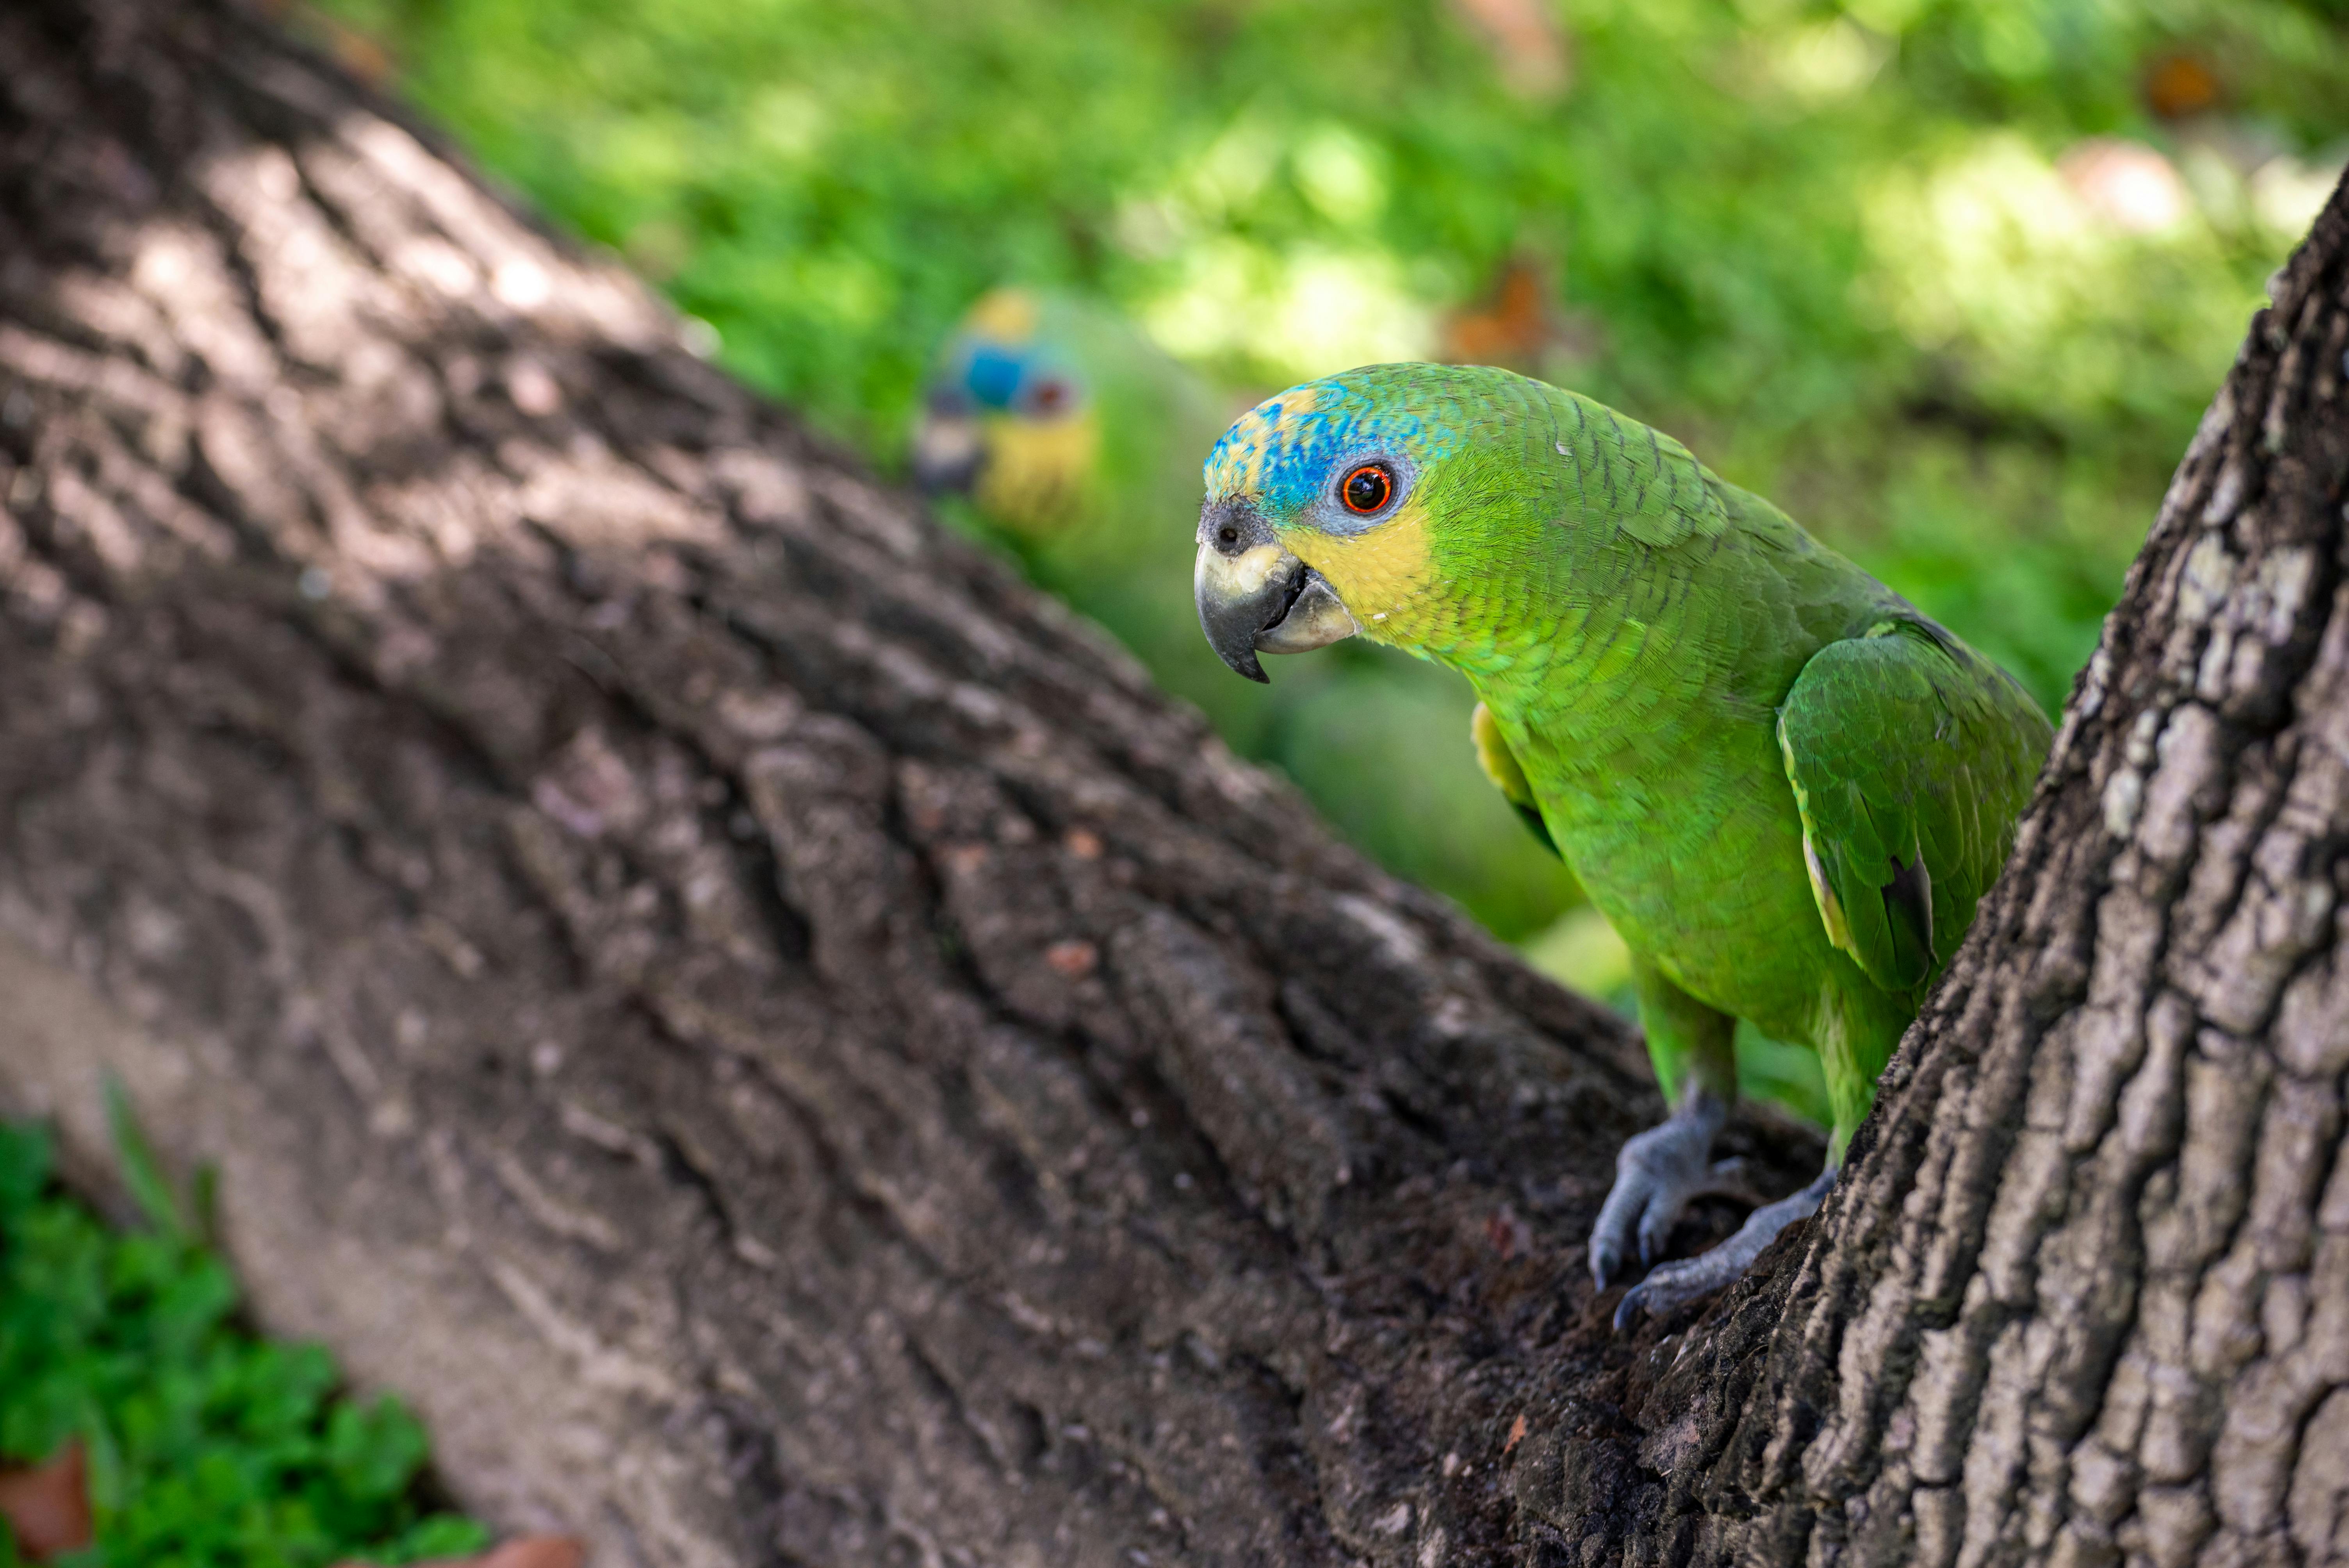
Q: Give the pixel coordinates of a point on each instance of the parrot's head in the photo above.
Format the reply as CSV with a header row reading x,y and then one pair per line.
x,y
1399,501
1009,418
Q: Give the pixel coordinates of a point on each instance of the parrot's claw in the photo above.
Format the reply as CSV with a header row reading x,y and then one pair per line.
x,y
1656,1174
1676,1283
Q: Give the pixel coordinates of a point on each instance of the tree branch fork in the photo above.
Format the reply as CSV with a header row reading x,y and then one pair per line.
x,y
789,1051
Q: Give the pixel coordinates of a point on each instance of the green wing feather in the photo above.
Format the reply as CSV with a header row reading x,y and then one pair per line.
x,y
1910,757
1501,765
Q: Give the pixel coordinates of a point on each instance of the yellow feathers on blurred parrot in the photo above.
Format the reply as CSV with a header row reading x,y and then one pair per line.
x,y
1078,442
1784,786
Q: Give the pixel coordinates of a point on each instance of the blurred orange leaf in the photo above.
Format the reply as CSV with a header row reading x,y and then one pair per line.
x,y
1510,327
1515,324
47,1506
523,1552
1527,46
2180,84
536,1551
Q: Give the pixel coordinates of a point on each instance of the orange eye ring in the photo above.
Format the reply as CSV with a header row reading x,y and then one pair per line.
x,y
1367,489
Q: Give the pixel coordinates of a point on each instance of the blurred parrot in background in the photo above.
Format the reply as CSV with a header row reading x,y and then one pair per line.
x,y
1078,443
1076,440
1781,783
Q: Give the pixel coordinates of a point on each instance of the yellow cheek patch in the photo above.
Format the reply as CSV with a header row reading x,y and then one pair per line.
x,y
1037,477
1383,575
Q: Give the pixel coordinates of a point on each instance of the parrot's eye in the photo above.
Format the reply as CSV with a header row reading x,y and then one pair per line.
x,y
1367,489
1050,396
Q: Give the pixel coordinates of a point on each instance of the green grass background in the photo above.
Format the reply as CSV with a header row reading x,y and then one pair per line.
x,y
1830,244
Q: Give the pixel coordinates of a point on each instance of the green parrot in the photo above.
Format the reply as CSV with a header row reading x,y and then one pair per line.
x,y
1077,441
1784,786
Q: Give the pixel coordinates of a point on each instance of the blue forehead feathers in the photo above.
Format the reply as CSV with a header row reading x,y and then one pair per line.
x,y
1282,450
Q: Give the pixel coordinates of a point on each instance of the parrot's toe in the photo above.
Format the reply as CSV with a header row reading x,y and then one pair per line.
x,y
1724,1178
1674,1284
1656,1174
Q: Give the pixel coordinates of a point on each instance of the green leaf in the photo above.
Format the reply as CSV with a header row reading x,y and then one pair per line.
x,y
207,1448
375,1451
25,1156
142,1172
435,1537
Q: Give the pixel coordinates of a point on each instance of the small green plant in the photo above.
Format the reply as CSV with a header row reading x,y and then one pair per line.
x,y
206,1444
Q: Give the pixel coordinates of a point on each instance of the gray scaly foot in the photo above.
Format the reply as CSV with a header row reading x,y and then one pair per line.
x,y
1656,1174
1675,1284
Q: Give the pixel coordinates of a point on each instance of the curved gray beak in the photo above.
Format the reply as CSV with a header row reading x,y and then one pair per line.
x,y
1254,596
948,452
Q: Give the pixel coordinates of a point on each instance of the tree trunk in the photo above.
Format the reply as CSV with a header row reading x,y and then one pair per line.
x,y
788,1051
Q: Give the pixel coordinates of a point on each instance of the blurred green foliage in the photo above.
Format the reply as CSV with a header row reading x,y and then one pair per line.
x,y
1951,280
205,1446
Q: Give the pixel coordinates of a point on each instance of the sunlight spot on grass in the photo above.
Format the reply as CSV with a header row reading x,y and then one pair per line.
x,y
1832,60
2288,193
1340,175
1300,315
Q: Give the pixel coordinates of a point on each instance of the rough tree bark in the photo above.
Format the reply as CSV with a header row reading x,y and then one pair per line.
x,y
790,1052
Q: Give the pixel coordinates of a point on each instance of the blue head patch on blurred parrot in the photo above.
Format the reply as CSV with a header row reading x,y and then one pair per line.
x,y
1011,414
